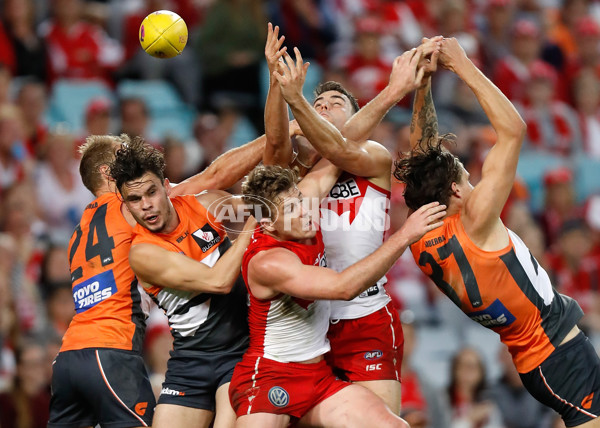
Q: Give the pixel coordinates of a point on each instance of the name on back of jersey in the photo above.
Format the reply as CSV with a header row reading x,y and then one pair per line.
x,y
495,315
94,290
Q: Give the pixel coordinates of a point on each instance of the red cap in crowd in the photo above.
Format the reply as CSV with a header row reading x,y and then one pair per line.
x,y
558,176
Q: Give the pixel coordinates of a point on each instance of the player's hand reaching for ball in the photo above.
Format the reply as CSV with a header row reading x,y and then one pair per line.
x,y
451,54
406,74
291,76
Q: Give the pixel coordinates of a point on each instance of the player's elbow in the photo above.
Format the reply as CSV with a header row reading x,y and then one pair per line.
x,y
223,286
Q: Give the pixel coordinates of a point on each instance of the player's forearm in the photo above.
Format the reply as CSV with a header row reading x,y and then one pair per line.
x,y
500,111
364,274
278,148
361,125
424,124
323,136
226,170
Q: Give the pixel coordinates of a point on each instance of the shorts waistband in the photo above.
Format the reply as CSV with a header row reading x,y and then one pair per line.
x,y
296,366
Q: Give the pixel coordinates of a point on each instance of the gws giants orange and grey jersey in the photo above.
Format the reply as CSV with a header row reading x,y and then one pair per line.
x,y
199,321
354,218
505,290
286,328
105,290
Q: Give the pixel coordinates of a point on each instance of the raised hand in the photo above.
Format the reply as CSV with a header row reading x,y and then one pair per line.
x,y
406,74
451,54
430,52
273,47
291,76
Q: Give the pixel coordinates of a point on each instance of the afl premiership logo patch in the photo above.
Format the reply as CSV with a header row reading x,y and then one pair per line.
x,y
279,396
206,238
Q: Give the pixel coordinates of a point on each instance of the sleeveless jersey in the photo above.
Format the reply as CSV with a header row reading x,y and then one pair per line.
x,y
285,328
505,290
105,290
199,321
354,218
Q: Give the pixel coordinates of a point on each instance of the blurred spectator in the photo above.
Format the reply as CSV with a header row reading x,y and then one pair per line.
x,y
518,407
575,269
230,46
5,81
175,160
9,328
157,345
135,118
563,28
29,49
14,163
587,57
368,70
586,92
552,125
77,49
421,406
469,400
495,32
307,25
26,405
7,55
59,188
511,73
59,308
97,119
559,202
19,220
32,100
55,268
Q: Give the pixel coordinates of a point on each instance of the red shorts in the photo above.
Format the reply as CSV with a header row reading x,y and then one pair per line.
x,y
367,348
260,385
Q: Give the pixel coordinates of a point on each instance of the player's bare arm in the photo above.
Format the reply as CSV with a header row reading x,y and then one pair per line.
x,y
320,180
361,125
424,123
281,271
278,149
481,213
224,171
154,265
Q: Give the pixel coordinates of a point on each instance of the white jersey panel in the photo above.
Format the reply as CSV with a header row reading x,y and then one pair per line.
x,y
537,275
354,218
294,333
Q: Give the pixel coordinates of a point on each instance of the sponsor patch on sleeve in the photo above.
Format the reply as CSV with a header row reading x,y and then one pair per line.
x,y
93,291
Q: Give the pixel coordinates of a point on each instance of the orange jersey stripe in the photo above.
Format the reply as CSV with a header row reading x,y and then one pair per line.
x,y
105,292
505,290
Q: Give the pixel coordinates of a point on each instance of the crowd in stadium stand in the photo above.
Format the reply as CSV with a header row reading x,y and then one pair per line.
x,y
543,54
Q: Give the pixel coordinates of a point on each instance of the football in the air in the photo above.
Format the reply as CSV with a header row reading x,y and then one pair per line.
x,y
163,34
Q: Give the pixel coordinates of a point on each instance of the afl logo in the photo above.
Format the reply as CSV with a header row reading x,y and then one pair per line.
x,y
142,33
373,355
279,396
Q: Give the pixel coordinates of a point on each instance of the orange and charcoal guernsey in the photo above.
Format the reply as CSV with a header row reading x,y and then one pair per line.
x,y
506,291
105,290
199,321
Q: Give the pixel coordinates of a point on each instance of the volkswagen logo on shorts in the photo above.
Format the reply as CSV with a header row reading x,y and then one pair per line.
x,y
278,396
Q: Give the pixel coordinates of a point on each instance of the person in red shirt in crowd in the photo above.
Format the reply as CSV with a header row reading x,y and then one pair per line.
x,y
7,54
586,93
77,49
560,202
587,56
368,70
512,72
32,100
552,125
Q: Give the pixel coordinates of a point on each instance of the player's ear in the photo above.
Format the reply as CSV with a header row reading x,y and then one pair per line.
x,y
455,189
105,171
167,184
266,224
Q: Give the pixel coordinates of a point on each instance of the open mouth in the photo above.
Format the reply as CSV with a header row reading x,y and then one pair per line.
x,y
151,219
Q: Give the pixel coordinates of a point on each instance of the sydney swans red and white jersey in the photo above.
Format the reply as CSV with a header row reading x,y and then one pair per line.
x,y
286,328
354,218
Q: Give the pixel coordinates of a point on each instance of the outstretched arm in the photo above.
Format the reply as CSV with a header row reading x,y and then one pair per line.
x,y
154,265
280,271
484,205
224,171
278,148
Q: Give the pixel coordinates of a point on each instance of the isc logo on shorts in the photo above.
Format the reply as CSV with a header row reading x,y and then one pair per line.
x,y
278,396
495,315
93,291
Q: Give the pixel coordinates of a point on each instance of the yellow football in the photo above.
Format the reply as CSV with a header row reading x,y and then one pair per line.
x,y
163,34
